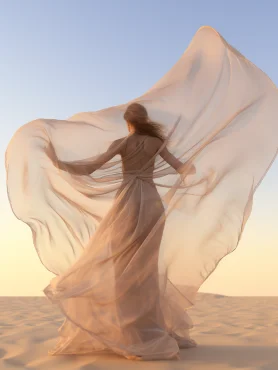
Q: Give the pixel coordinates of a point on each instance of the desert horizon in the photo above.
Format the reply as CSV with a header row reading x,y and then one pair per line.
x,y
231,332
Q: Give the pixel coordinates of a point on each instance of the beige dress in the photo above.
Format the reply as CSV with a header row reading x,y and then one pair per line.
x,y
111,296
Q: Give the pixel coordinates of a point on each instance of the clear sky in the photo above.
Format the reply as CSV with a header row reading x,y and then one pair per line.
x,y
62,57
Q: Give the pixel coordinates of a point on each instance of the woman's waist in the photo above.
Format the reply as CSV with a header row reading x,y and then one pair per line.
x,y
127,176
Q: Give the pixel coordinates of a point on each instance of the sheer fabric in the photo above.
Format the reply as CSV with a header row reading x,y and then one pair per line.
x,y
130,230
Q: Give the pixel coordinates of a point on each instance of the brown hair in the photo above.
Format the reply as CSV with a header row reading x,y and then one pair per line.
x,y
137,115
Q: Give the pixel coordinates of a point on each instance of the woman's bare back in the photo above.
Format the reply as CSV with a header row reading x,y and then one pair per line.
x,y
138,154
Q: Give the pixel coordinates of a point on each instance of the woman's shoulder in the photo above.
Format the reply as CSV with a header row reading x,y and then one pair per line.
x,y
152,144
155,141
118,141
116,144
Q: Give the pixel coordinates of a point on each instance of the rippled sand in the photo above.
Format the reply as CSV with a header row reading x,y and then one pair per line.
x,y
232,333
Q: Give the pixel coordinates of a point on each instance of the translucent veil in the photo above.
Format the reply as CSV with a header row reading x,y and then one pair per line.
x,y
219,111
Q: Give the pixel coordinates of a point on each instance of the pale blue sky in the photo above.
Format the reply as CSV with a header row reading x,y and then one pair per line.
x,y
62,57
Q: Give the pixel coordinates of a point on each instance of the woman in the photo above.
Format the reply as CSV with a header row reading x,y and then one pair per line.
x,y
97,223
127,242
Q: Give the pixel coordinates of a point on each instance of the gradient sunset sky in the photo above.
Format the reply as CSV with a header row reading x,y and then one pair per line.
x,y
62,57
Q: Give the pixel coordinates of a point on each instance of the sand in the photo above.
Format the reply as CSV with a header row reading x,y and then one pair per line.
x,y
232,333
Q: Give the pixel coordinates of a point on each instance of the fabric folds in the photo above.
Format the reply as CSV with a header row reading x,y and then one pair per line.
x,y
129,232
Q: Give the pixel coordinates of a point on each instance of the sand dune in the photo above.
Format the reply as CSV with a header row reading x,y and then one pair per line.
x,y
232,333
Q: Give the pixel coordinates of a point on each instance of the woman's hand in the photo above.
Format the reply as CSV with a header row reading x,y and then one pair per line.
x,y
188,168
192,170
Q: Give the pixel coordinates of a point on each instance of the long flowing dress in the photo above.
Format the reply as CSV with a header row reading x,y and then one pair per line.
x,y
116,279
129,238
